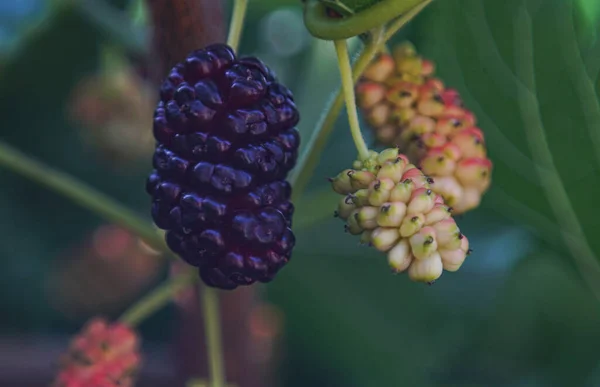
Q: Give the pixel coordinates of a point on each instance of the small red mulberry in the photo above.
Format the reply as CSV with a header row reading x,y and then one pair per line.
x,y
102,355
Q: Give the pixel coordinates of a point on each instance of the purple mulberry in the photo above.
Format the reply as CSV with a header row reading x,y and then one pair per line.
x,y
226,140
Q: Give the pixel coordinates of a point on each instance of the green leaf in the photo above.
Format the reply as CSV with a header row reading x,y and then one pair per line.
x,y
345,308
528,69
315,207
591,10
543,321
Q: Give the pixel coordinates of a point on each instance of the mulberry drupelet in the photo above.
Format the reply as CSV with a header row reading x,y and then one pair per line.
x,y
226,140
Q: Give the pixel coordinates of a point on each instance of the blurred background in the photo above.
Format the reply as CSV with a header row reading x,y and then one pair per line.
x,y
77,81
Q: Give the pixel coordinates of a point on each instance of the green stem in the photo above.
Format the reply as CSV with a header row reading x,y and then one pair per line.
x,y
203,383
237,23
138,12
112,58
309,159
348,89
117,25
324,27
395,25
209,296
212,328
158,298
80,193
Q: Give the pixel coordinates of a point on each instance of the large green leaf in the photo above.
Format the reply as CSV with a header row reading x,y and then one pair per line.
x,y
372,328
590,10
375,329
544,324
528,68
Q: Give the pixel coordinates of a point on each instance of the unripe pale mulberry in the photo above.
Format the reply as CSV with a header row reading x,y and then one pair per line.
x,y
390,203
407,107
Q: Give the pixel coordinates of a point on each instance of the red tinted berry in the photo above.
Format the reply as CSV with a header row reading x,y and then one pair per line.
x,y
101,355
226,141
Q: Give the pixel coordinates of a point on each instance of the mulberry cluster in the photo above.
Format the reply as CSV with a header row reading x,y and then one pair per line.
x,y
390,204
408,107
226,141
102,355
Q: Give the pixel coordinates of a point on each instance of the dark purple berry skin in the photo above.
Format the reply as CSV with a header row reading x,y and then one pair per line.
x,y
226,140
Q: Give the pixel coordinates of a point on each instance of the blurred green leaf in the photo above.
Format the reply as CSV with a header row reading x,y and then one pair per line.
x,y
544,323
115,24
479,46
375,328
15,17
346,310
35,85
591,9
315,207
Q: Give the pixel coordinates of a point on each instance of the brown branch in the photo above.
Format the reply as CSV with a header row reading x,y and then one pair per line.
x,y
239,343
181,26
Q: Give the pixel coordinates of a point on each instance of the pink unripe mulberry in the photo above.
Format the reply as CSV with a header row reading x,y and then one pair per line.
x,y
408,107
103,355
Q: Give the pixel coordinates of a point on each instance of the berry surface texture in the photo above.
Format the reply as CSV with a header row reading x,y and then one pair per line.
x,y
226,140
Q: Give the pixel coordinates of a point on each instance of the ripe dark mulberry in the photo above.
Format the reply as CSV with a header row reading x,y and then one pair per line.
x,y
226,140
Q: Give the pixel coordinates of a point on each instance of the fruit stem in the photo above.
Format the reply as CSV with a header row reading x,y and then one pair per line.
x,y
397,24
158,298
348,89
237,23
80,193
310,157
208,295
320,25
203,383
212,328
